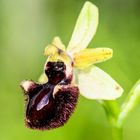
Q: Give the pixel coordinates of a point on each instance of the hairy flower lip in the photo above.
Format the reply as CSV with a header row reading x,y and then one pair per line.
x,y
50,105
64,104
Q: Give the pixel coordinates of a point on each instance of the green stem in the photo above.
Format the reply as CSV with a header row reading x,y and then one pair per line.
x,y
111,108
112,112
117,132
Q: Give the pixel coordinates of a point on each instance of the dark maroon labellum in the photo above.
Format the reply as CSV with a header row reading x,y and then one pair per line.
x,y
50,105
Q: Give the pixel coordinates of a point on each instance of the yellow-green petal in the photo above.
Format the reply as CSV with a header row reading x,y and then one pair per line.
x,y
94,83
85,28
58,43
56,51
54,47
90,56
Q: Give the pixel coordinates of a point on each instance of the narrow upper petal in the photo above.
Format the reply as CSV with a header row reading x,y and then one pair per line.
x,y
85,28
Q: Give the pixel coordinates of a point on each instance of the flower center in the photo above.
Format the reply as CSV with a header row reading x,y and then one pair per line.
x,y
56,72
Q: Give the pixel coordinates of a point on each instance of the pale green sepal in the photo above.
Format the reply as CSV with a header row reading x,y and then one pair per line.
x,y
94,83
85,28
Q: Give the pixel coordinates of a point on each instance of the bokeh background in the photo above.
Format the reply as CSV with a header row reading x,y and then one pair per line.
x,y
27,26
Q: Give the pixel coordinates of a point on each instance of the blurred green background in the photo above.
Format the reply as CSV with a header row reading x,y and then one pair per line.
x,y
27,26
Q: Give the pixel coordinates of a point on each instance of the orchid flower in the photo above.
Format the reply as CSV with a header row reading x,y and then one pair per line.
x,y
93,82
69,71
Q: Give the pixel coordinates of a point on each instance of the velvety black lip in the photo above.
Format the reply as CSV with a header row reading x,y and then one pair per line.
x,y
57,112
50,105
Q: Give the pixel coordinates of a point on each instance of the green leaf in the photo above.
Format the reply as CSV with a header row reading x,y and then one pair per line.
x,y
94,83
130,103
85,28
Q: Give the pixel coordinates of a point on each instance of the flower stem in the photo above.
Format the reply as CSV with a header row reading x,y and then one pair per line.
x,y
112,112
117,132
